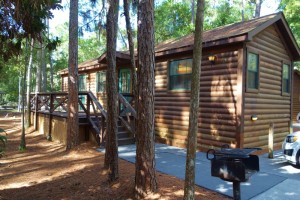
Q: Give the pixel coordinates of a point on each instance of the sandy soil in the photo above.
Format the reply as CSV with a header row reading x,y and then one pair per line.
x,y
46,171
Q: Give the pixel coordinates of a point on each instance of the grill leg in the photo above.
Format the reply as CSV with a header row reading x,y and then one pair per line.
x,y
236,190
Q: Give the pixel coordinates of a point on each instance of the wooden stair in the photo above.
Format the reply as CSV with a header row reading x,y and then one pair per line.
x,y
124,136
96,119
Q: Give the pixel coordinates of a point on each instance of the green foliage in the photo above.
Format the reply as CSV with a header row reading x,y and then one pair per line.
x,y
172,20
291,10
22,148
222,12
9,77
89,47
21,19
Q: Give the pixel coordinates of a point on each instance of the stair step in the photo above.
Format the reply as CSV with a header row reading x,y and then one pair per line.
x,y
121,129
125,141
122,134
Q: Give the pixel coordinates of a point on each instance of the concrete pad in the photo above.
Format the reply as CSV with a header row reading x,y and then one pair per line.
x,y
287,190
273,172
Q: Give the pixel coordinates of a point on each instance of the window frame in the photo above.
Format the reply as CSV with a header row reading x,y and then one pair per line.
x,y
284,93
120,80
249,89
97,81
85,82
169,76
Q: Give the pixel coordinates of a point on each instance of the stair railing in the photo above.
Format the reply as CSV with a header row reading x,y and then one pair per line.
x,y
128,110
94,109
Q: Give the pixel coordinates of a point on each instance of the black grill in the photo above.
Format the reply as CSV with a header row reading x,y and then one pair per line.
x,y
288,152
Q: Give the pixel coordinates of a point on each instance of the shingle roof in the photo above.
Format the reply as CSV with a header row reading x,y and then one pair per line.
x,y
238,32
223,32
87,63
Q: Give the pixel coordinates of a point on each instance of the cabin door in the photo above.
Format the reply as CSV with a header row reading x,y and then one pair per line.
x,y
125,85
82,87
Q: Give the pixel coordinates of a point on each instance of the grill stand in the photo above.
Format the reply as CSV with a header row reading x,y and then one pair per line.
x,y
236,190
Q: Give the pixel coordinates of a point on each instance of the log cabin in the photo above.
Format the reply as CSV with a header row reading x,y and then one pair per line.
x,y
245,85
296,96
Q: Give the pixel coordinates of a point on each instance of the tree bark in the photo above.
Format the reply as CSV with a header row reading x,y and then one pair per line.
x,y
111,153
23,139
145,177
43,70
189,187
72,125
258,8
27,124
20,93
131,48
38,71
193,12
51,72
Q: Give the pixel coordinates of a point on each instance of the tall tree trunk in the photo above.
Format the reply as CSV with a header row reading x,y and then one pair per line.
x,y
72,126
38,81
23,139
193,12
44,70
111,153
145,177
51,72
258,8
38,71
131,49
189,187
27,124
20,93
243,10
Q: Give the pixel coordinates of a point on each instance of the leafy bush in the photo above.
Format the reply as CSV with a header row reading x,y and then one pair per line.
x,y
3,141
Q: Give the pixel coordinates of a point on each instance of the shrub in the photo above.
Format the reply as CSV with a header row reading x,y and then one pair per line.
x,y
3,141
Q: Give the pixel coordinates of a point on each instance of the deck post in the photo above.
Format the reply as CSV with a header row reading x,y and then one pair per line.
x,y
102,130
35,110
271,138
49,136
88,105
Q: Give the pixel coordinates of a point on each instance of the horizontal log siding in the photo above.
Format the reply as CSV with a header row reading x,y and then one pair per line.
x,y
296,96
217,117
64,83
267,104
90,86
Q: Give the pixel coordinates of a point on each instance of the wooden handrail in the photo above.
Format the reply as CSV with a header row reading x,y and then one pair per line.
x,y
127,105
96,102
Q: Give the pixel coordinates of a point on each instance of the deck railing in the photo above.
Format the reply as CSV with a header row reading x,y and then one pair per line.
x,y
55,104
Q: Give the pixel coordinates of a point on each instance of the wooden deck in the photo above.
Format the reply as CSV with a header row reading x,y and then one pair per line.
x,y
91,114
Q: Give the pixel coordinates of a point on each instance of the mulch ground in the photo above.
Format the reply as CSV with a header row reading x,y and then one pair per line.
x,y
46,171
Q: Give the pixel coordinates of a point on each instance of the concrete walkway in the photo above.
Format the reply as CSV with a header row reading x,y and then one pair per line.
x,y
277,179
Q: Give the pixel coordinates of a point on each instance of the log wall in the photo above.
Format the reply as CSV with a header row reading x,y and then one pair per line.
x,y
90,85
218,104
296,95
268,104
64,83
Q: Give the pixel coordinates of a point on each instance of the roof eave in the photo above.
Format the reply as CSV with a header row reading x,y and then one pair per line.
x,y
231,40
287,33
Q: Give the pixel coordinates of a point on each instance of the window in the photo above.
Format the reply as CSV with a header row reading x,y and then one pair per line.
x,y
252,71
125,81
82,87
101,81
286,79
82,83
180,72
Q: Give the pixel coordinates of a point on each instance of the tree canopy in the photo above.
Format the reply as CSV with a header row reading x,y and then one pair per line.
x,y
21,19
